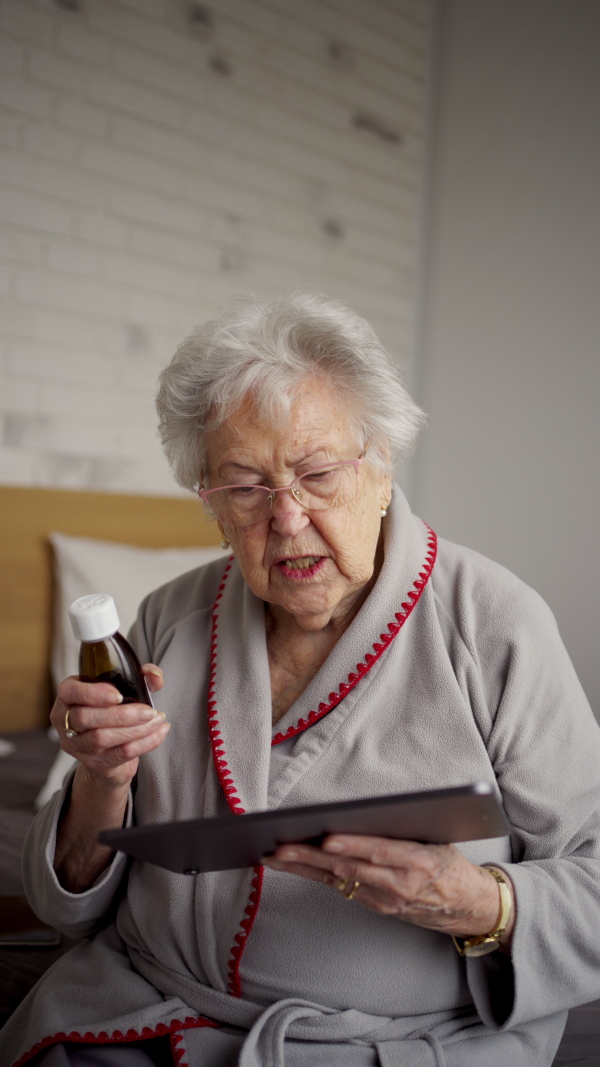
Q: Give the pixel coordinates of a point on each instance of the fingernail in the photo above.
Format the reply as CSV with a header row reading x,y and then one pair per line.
x,y
333,846
289,855
156,671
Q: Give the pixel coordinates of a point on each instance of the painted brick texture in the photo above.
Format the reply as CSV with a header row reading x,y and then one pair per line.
x,y
159,156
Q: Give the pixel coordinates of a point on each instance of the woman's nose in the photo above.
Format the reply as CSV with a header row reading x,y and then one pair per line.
x,y
288,517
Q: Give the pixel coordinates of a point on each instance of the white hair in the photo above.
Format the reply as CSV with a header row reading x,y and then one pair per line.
x,y
268,349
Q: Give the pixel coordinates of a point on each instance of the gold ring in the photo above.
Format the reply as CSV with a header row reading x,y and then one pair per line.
x,y
342,887
69,731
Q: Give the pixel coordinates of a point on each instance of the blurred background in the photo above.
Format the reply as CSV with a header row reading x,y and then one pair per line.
x,y
436,163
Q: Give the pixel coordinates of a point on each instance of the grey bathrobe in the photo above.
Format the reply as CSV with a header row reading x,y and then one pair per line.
x,y
452,672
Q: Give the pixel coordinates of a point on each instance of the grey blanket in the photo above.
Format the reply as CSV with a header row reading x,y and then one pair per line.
x,y
452,671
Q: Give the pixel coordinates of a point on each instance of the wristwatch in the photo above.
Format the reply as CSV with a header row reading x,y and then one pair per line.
x,y
481,944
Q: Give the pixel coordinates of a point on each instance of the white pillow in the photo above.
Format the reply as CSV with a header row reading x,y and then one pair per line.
x,y
128,573
83,565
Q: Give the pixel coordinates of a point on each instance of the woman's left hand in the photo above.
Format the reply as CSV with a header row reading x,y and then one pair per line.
x,y
429,885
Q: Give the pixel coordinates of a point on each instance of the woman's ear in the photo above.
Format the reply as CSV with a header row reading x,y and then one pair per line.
x,y
385,478
385,486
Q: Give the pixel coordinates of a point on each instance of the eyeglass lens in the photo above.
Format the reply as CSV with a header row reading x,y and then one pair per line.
x,y
327,487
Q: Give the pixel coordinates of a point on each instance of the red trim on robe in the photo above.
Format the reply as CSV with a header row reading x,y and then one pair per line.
x,y
220,760
103,1038
370,659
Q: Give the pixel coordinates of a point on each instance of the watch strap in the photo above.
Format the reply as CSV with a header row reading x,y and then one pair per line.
x,y
480,944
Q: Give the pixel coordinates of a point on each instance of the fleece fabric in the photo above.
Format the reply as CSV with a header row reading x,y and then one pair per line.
x,y
452,672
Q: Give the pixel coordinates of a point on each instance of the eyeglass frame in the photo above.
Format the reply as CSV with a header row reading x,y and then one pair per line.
x,y
204,493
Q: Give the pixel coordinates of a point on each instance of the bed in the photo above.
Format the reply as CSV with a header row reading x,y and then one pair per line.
x,y
101,537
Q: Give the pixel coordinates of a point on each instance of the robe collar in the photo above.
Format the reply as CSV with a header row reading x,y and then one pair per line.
x,y
239,698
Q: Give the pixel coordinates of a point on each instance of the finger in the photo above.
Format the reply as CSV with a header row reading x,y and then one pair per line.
x,y
383,851
304,854
303,870
301,859
331,868
101,740
98,694
121,716
339,882
376,889
155,678
357,879
127,750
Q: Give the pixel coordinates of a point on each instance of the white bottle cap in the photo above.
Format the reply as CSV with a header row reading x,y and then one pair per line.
x,y
94,617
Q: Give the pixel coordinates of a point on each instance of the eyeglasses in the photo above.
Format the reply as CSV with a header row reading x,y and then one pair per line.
x,y
327,487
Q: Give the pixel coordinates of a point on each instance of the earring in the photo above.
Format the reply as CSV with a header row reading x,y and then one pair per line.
x,y
384,506
225,544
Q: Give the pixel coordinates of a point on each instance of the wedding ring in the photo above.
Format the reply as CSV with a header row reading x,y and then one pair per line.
x,y
342,887
69,731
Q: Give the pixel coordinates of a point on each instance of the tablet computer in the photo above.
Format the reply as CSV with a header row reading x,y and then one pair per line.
x,y
465,813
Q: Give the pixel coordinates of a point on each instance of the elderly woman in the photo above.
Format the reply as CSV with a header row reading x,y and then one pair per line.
x,y
338,651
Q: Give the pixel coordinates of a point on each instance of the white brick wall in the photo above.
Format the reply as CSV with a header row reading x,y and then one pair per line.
x,y
161,155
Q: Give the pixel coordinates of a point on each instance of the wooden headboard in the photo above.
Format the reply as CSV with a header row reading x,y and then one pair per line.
x,y
28,516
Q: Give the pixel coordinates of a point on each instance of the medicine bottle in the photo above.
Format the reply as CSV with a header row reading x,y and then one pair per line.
x,y
105,655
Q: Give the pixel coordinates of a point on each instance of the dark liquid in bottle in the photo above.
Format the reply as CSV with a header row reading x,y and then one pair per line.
x,y
113,660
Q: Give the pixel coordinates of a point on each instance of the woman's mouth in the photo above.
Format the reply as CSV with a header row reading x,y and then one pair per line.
x,y
301,566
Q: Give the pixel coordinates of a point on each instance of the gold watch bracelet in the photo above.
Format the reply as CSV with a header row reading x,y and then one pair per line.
x,y
480,944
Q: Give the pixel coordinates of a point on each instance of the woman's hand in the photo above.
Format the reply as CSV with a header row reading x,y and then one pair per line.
x,y
110,736
429,885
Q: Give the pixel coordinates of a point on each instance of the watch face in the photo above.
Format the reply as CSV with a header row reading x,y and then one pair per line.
x,y
482,949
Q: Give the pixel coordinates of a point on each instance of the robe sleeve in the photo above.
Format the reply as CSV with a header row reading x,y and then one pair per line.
x,y
76,915
544,744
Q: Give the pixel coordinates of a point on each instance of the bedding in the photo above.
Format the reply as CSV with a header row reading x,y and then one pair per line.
x,y
84,565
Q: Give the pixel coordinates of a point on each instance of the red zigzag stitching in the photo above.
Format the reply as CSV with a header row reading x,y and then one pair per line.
x,y
223,772
103,1038
386,639
226,780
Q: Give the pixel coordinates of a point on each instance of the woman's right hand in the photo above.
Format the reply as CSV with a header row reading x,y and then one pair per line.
x,y
110,735
110,738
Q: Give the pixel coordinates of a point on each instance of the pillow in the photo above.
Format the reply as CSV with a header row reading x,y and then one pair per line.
x,y
83,565
128,573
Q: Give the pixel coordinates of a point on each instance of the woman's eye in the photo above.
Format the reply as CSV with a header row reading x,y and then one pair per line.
x,y
317,476
243,490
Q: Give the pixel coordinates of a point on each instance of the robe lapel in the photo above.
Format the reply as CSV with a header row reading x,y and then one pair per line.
x,y
242,735
345,677
239,701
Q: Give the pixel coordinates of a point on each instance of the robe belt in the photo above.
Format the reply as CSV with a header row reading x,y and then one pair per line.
x,y
301,1020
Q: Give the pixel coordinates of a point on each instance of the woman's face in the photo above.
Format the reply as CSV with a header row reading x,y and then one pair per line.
x,y
249,449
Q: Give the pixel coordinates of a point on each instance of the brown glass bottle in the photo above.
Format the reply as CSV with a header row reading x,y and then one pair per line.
x,y
113,660
105,655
